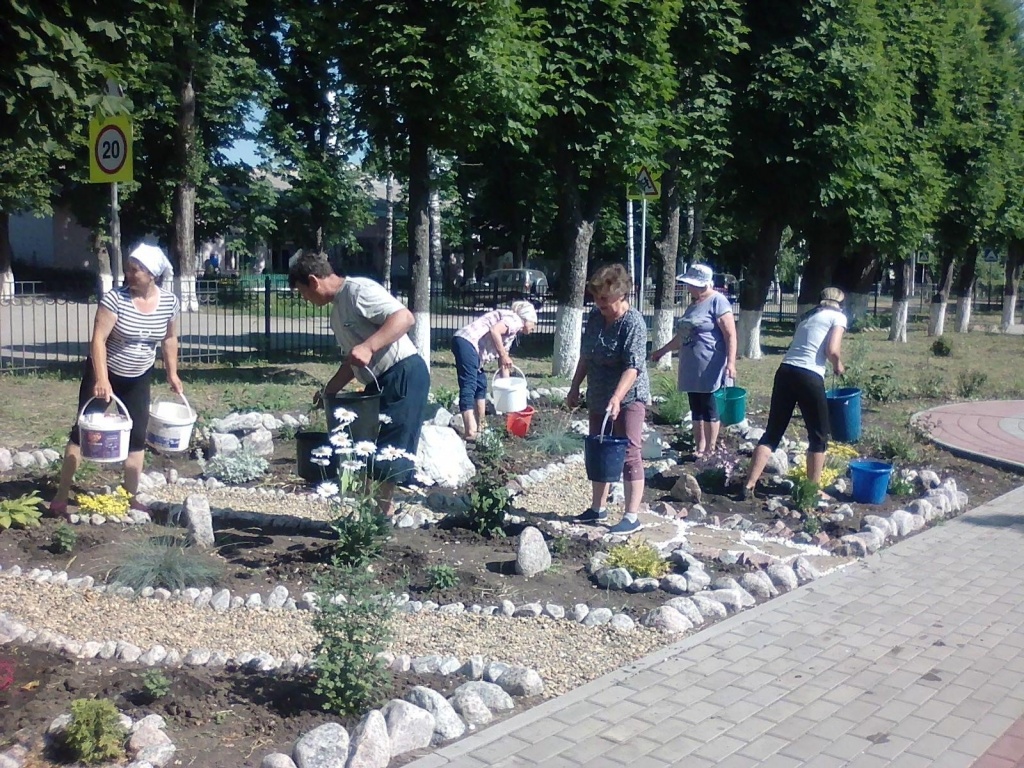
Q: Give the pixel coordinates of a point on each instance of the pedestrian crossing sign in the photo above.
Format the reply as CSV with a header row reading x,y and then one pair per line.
x,y
645,186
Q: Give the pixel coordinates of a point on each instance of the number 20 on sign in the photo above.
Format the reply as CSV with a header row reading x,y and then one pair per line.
x,y
110,149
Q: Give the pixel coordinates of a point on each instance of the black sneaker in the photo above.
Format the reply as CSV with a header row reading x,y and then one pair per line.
x,y
592,516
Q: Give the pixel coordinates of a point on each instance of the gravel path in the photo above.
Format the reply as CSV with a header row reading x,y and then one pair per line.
x,y
566,654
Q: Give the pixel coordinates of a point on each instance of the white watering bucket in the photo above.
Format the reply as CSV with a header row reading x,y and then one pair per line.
x,y
104,436
510,393
170,425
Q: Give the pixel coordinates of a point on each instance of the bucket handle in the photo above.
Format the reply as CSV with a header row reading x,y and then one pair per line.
x,y
121,406
159,398
604,424
514,368
322,394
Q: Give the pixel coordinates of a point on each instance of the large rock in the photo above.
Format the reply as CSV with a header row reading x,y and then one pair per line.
x,y
759,584
686,607
326,746
199,520
472,708
277,760
686,489
778,463
238,422
447,724
224,444
521,681
371,745
666,619
532,555
409,727
260,442
442,457
782,576
709,607
6,460
615,578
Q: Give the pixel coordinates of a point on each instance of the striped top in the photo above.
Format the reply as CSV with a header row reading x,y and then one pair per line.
x,y
131,345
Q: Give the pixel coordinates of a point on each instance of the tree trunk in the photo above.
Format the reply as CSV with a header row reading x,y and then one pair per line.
x,y
901,301
466,228
630,246
937,320
826,243
6,257
665,251
436,268
965,289
757,281
184,211
855,274
577,231
115,261
695,230
1014,260
419,240
389,228
106,277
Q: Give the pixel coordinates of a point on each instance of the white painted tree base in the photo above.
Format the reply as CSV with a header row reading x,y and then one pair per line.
x,y
7,286
568,336
186,290
900,313
106,284
937,319
420,335
748,334
964,304
664,330
1009,312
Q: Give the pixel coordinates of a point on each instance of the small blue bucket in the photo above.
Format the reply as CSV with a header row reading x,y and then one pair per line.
x,y
604,456
870,480
844,414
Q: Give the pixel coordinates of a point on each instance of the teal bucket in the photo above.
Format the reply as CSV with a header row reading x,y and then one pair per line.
x,y
870,480
844,414
732,405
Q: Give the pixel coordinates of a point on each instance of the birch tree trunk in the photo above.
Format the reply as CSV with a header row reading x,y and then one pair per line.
x,y
184,212
389,228
665,251
1014,259
436,267
755,287
569,317
105,276
901,301
965,289
419,241
6,257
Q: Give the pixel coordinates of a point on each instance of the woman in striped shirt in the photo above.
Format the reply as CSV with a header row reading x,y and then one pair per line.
x,y
130,322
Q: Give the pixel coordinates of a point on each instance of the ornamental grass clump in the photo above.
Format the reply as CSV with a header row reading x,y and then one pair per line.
x,y
638,557
167,563
111,505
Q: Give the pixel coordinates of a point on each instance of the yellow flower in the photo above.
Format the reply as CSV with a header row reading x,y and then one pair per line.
x,y
114,504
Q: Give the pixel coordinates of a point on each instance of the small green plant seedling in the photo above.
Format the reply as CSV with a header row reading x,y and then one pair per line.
x,y
805,494
812,525
441,576
900,487
22,512
64,539
95,734
639,558
155,684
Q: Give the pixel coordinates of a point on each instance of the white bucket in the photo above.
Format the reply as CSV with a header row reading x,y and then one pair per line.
x,y
510,393
104,436
170,425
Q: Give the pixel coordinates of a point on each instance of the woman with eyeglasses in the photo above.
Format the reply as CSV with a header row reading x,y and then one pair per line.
x,y
800,380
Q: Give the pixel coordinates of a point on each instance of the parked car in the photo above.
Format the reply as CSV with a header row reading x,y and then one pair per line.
x,y
506,285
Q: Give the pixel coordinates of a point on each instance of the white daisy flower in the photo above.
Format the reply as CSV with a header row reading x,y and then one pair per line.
x,y
327,490
365,448
391,453
321,462
340,440
344,450
322,452
352,466
344,416
385,419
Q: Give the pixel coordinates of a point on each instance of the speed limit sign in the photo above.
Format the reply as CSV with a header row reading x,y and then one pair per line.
x,y
110,149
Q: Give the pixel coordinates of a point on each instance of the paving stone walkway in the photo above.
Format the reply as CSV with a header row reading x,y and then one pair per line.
x,y
992,430
912,657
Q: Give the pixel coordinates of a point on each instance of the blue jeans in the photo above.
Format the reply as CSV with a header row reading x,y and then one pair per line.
x,y
472,379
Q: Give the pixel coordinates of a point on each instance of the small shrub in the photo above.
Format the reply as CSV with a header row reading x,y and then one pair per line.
x,y
155,684
287,432
556,438
441,576
932,384
812,525
970,383
234,469
64,539
95,734
882,386
559,545
22,512
114,504
361,537
900,487
168,564
489,445
639,558
805,494
447,398
488,504
890,445
942,347
674,405
350,676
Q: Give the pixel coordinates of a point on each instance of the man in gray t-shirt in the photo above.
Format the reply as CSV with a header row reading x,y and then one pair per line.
x,y
372,327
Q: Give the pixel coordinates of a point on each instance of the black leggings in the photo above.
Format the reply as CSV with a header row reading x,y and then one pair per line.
x,y
798,386
703,406
133,392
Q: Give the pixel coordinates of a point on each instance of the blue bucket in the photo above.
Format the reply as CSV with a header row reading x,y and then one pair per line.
x,y
604,456
844,414
870,480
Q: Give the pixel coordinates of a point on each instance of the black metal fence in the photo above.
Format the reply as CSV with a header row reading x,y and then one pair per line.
x,y
259,317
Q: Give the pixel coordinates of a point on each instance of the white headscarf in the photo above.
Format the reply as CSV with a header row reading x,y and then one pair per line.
x,y
525,311
153,260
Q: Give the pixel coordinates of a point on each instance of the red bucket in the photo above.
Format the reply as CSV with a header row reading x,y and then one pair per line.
x,y
518,423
